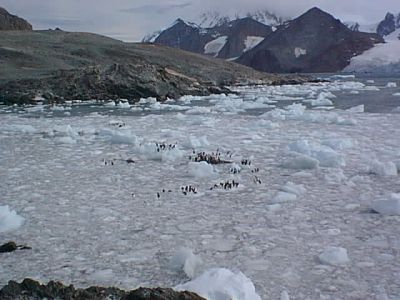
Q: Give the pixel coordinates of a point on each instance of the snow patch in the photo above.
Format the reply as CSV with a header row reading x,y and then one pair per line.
x,y
213,47
299,52
252,41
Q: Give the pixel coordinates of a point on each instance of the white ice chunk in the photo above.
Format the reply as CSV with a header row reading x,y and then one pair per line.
x,y
391,84
196,142
301,162
390,207
184,259
334,256
110,104
357,109
221,284
9,220
283,197
285,295
201,169
123,104
383,168
149,100
338,143
19,128
290,187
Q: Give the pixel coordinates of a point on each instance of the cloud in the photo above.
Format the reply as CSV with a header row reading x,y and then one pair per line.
x,y
155,8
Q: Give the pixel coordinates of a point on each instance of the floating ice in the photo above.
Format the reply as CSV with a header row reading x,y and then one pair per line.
x,y
198,110
19,128
198,142
123,104
391,84
184,259
334,256
201,169
357,109
221,284
290,187
390,207
383,168
301,162
343,76
105,276
285,295
36,108
338,143
326,156
119,137
110,104
149,100
282,197
9,220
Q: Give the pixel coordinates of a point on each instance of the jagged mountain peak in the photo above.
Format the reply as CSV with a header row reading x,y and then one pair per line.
x,y
214,18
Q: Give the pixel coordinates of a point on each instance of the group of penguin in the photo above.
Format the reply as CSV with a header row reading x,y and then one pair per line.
x,y
164,146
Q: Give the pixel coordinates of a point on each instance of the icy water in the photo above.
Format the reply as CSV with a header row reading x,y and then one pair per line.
x,y
316,169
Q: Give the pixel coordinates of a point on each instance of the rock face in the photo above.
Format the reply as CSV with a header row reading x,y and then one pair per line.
x,y
59,65
388,25
11,22
314,42
33,290
227,40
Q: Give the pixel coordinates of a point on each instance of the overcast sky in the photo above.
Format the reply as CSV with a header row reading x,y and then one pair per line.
x,y
130,20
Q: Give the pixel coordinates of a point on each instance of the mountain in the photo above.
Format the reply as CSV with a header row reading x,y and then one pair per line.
x,y
215,18
11,22
381,59
388,25
59,65
314,42
228,40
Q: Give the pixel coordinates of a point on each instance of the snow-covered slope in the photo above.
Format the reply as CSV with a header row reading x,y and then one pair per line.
x,y
213,47
383,58
215,18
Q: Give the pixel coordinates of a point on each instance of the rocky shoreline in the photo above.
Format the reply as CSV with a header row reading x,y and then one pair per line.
x,y
30,289
57,66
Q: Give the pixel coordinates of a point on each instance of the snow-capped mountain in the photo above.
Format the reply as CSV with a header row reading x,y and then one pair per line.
x,y
228,40
389,24
215,18
290,49
383,58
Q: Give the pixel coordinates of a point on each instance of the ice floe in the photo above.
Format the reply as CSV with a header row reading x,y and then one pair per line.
x,y
334,256
388,207
221,284
184,259
9,219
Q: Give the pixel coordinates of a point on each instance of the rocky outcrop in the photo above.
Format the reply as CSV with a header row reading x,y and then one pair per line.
x,y
314,42
59,65
33,290
388,25
227,40
11,22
